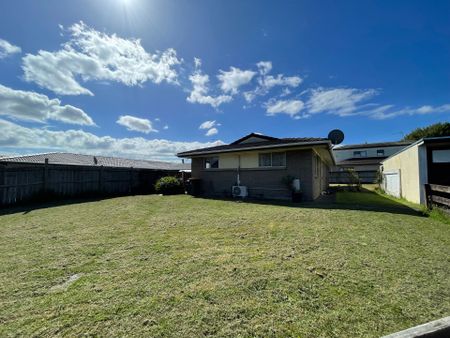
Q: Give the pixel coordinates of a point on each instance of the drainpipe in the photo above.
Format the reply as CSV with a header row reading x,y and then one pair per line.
x,y
238,170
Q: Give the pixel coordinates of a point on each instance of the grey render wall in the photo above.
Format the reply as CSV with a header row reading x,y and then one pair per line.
x,y
262,182
320,177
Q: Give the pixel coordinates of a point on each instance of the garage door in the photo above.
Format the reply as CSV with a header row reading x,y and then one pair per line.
x,y
392,183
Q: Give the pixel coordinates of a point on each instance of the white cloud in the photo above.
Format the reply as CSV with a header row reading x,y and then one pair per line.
x,y
211,132
199,93
211,126
31,106
7,49
93,55
339,101
264,67
197,63
289,107
133,123
16,138
352,102
234,78
270,81
388,111
166,127
208,124
267,82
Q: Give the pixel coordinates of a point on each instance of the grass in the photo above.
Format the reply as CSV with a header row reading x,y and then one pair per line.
x,y
179,266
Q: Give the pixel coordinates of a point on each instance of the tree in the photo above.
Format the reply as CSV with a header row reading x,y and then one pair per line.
x,y
434,130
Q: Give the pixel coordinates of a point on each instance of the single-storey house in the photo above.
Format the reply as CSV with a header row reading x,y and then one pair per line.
x,y
364,159
406,172
259,166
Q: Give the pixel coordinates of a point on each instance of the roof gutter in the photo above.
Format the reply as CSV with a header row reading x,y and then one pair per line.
x,y
289,145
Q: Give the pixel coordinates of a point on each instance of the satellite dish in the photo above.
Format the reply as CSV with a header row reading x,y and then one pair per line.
x,y
336,136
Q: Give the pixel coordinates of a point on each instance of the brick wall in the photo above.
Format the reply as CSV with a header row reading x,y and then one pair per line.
x,y
261,182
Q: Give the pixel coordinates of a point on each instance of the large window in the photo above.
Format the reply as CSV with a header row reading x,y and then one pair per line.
x,y
212,162
360,153
272,159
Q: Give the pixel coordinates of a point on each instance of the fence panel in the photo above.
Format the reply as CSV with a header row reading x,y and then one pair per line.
x,y
344,177
21,182
439,195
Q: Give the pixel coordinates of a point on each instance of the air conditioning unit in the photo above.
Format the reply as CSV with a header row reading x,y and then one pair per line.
x,y
239,191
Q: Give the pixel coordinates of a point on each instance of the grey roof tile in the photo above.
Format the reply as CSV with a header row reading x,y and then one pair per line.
x,y
90,160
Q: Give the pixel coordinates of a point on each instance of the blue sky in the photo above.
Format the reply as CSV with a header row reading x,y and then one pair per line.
x,y
138,78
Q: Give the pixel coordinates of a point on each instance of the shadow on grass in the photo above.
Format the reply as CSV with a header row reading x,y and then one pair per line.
x,y
365,200
31,205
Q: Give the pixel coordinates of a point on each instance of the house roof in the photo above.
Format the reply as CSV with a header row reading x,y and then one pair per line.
x,y
257,135
90,160
443,140
362,161
265,143
373,145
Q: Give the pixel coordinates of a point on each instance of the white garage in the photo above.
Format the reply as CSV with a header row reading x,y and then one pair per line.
x,y
426,161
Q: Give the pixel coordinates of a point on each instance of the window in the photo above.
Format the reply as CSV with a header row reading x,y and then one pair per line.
x,y
212,162
278,159
360,153
272,159
265,160
441,156
380,152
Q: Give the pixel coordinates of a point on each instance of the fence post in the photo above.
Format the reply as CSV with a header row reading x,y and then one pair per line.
x,y
428,198
100,178
45,183
4,188
131,180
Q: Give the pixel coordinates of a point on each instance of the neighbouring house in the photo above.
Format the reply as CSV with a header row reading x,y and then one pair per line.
x,y
364,159
260,165
406,172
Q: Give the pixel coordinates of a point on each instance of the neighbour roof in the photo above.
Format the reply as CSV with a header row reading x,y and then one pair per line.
x,y
444,140
373,145
361,161
90,160
271,142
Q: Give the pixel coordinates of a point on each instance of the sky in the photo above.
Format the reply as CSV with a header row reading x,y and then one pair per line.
x,y
147,79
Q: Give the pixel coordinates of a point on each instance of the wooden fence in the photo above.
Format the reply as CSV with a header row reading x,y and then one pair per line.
x,y
22,182
437,194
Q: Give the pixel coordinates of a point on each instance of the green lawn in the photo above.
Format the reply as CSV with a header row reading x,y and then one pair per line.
x,y
180,266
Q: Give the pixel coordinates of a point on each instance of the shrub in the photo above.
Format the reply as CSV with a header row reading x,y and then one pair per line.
x,y
169,185
355,182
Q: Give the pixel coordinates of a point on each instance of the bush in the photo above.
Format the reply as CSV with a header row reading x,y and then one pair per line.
x,y
169,185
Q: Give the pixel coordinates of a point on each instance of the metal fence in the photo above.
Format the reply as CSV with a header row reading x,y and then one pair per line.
x,y
22,182
344,177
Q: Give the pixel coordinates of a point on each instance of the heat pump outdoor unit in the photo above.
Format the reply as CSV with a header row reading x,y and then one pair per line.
x,y
239,191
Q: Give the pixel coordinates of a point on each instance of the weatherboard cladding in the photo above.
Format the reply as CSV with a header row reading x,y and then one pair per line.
x,y
95,161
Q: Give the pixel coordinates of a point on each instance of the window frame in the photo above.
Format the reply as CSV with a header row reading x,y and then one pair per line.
x,y
380,152
359,153
208,160
271,159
